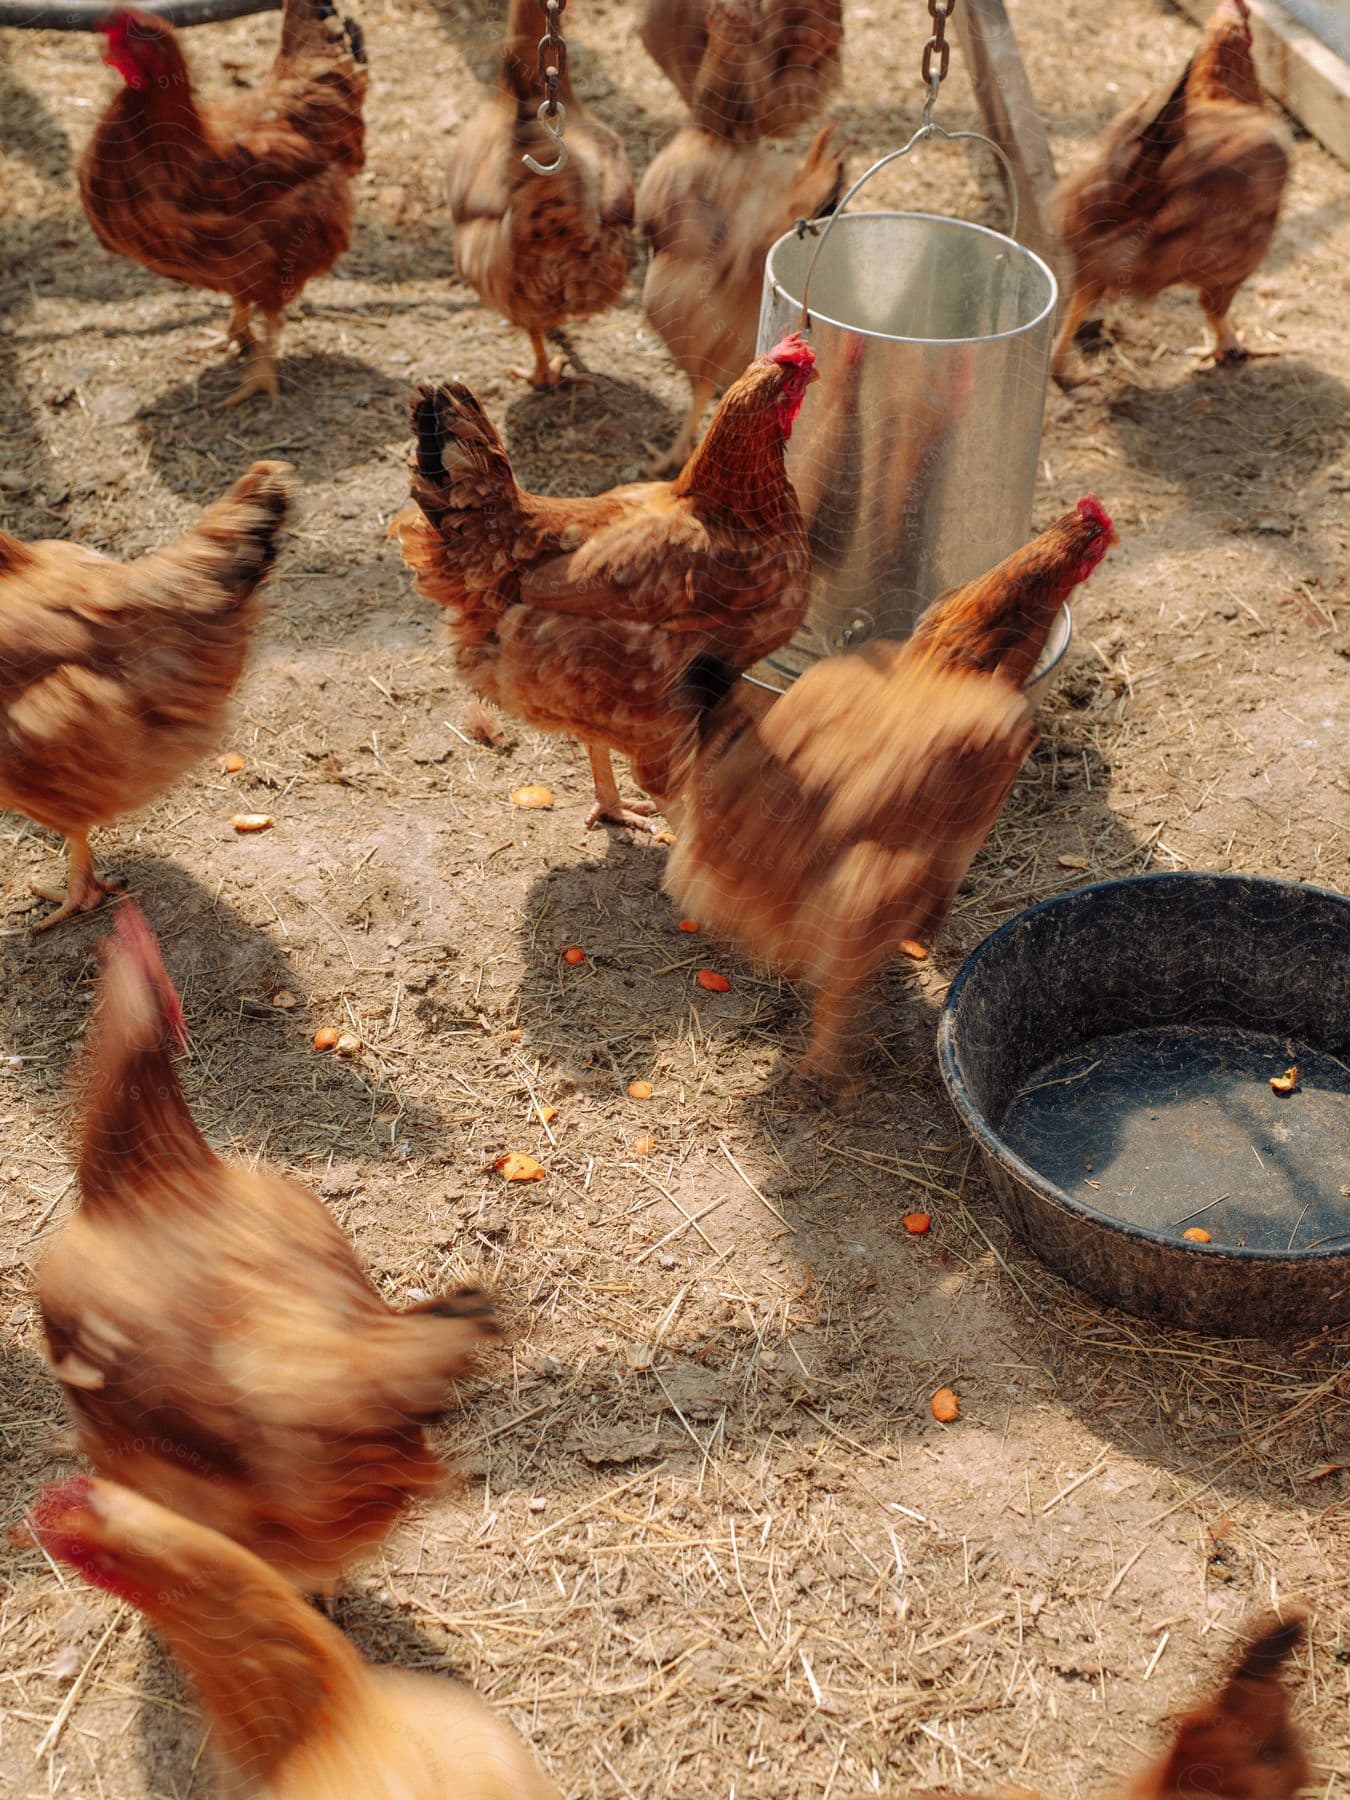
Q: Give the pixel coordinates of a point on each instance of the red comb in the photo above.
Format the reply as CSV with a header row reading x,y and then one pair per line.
x,y
793,350
1091,508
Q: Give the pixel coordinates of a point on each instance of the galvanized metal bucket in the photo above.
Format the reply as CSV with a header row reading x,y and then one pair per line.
x,y
915,454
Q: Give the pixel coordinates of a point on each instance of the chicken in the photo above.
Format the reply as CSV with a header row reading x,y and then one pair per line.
x,y
250,197
1239,1745
540,249
798,46
821,835
114,677
295,1713
710,207
219,1346
1184,190
581,615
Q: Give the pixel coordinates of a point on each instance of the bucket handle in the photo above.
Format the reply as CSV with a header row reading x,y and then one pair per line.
x,y
926,130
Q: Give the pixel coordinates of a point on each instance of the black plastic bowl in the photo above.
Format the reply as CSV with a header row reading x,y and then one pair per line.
x,y
1112,1050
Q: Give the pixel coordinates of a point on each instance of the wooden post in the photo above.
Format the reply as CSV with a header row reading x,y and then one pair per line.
x,y
1010,117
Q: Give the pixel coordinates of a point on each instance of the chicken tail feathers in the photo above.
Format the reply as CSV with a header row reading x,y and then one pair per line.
x,y
234,544
136,1119
459,464
1242,1739
432,1344
309,25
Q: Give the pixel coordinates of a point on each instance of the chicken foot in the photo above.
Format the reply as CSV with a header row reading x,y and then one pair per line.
x,y
609,809
1227,348
262,375
546,373
84,889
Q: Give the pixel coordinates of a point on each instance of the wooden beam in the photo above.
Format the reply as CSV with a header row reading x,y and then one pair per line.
x,y
1307,77
1011,117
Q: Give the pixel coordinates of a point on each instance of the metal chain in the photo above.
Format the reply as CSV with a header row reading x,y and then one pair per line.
x,y
935,72
552,65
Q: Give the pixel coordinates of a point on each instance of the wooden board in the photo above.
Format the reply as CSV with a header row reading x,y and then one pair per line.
x,y
1011,116
1307,77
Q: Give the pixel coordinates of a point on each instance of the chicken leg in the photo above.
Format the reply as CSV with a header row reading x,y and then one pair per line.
x,y
1061,359
84,889
262,375
238,335
546,373
609,809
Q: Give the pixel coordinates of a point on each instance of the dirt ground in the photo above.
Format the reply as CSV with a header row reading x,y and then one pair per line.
x,y
711,1540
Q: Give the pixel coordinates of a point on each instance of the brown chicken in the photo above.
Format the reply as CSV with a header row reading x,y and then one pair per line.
x,y
250,197
114,677
581,615
1183,190
825,833
540,249
710,207
218,1344
295,1713
795,67
1239,1745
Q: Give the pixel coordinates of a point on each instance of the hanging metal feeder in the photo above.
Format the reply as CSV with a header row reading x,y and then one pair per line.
x,y
915,455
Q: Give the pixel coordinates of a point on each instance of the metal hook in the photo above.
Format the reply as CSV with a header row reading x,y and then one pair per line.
x,y
556,133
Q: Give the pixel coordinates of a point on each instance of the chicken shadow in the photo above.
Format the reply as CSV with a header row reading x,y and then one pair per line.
x,y
602,425
27,127
334,413
1245,443
252,1080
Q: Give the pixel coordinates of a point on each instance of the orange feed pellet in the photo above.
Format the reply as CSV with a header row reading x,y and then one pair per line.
x,y
715,983
689,925
643,1146
917,1223
1197,1235
574,954
640,1090
532,798
252,821
944,1406
326,1037
913,948
516,1166
230,764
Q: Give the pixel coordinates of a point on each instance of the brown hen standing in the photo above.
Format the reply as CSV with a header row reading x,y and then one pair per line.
x,y
540,249
219,1346
1183,191
710,207
250,197
581,616
114,677
823,833
295,1713
795,62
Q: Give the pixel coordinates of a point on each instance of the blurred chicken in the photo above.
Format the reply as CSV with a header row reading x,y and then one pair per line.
x,y
795,66
540,249
114,677
295,1713
1240,1745
219,1346
821,835
580,616
250,197
1184,190
710,206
